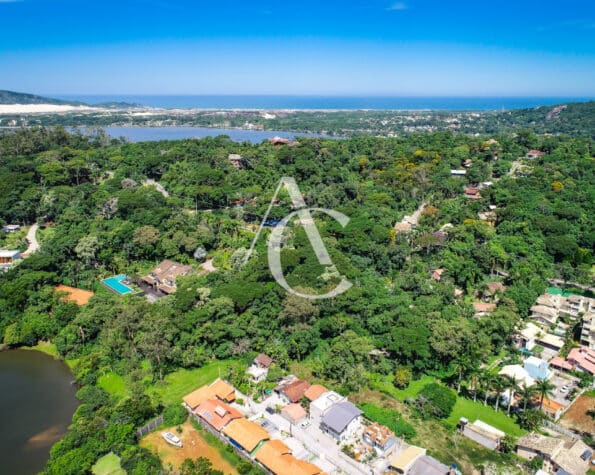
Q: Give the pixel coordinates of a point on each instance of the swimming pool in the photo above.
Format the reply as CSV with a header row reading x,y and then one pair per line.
x,y
115,283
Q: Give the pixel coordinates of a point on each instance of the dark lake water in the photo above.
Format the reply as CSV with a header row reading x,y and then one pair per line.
x,y
142,134
36,407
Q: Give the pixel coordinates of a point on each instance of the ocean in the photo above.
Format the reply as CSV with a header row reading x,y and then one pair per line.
x,y
325,102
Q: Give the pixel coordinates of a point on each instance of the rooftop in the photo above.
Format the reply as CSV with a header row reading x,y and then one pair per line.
x,y
7,253
403,460
263,360
218,389
340,415
295,390
314,392
246,433
217,413
294,411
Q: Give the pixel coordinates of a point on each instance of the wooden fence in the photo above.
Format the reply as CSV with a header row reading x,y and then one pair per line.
x,y
149,427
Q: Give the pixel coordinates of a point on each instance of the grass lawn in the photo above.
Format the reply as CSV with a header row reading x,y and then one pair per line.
x,y
108,465
49,349
183,381
476,410
385,385
45,347
114,384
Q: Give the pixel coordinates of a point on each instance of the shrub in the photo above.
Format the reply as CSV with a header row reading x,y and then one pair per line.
x,y
435,401
174,415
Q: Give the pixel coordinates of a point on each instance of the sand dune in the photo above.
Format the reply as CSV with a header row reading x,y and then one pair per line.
x,y
42,108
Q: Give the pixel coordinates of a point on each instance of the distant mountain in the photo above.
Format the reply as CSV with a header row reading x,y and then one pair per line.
x,y
11,97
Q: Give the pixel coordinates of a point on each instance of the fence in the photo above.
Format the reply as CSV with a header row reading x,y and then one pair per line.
x,y
149,427
561,430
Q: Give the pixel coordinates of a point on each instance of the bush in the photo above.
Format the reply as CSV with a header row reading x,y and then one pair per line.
x,y
174,415
435,401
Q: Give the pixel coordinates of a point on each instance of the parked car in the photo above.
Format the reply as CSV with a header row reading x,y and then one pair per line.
x,y
305,424
270,410
564,389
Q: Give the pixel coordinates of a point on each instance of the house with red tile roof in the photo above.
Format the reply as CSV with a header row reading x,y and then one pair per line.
x,y
483,308
246,435
216,413
583,359
472,193
293,391
218,389
314,392
277,458
294,413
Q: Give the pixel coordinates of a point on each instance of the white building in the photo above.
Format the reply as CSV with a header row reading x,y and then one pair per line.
x,y
323,403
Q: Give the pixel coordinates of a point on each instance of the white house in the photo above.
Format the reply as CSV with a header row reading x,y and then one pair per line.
x,y
322,404
8,258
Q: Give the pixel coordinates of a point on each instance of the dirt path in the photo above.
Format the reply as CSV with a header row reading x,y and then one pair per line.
x,y
208,266
194,446
413,220
32,240
160,189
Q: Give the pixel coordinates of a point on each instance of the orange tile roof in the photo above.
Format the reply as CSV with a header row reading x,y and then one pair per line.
x,y
484,307
315,391
294,411
223,390
246,433
78,296
551,406
277,457
217,413
217,389
270,454
295,390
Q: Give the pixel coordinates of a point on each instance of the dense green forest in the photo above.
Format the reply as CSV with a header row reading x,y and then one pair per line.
x,y
98,220
576,119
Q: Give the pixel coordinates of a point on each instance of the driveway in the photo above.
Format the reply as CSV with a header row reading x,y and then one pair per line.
x,y
32,240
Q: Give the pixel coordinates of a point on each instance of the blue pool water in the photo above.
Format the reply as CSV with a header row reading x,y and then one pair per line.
x,y
115,283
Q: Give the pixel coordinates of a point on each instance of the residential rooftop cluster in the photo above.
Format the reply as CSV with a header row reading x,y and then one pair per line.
x,y
302,428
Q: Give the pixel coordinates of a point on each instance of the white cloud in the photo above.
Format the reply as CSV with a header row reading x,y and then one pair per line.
x,y
398,6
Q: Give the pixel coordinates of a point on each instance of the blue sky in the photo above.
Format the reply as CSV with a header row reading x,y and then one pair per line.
x,y
367,47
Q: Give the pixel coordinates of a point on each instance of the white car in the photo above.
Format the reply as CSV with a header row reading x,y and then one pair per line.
x,y
304,424
564,389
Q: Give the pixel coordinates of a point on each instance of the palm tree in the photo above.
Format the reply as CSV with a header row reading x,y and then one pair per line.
x,y
486,381
526,393
513,386
474,379
544,388
499,385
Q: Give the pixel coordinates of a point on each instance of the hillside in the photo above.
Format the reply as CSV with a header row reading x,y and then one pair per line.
x,y
11,97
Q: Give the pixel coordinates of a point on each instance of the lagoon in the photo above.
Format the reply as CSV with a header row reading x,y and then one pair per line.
x,y
37,401
143,134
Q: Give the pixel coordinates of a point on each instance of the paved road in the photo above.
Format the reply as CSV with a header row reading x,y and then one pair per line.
x,y
32,240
